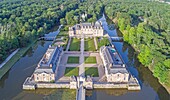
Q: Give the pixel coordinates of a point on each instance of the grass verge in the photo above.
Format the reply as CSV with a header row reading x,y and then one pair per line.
x,y
90,60
70,71
92,71
73,60
75,45
14,59
89,45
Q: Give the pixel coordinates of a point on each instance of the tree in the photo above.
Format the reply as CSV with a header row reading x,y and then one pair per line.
x,y
63,21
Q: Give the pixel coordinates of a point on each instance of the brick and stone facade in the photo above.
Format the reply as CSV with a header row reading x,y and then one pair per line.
x,y
45,72
87,29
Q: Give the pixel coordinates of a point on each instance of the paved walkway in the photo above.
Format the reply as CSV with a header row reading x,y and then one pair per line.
x,y
8,58
95,43
68,45
81,67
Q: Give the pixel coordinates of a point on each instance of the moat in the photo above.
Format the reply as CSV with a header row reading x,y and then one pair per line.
x,y
151,89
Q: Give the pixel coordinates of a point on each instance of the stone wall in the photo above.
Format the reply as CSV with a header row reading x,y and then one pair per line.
x,y
135,87
107,85
29,87
53,85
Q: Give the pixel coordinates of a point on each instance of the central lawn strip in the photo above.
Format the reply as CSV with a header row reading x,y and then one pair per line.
x,y
70,71
73,60
92,71
75,45
89,45
90,60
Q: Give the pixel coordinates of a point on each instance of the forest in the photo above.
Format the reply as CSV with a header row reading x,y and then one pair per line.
x,y
22,21
145,25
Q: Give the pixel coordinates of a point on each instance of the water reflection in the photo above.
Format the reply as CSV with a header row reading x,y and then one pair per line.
x,y
11,83
151,88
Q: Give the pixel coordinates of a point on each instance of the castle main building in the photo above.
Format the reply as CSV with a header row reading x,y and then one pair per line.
x,y
87,29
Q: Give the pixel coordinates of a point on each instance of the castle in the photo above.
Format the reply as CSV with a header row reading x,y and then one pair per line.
x,y
86,29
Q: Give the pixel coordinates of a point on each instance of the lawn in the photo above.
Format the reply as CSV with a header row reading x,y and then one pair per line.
x,y
102,41
75,45
70,71
89,45
90,60
73,60
92,71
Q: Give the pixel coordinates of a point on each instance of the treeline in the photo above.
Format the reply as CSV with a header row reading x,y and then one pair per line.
x,y
22,21
146,26
87,11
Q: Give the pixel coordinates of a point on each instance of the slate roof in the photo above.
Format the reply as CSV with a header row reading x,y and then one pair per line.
x,y
113,61
44,70
118,70
86,25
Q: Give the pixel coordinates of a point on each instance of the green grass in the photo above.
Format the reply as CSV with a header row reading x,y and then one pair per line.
x,y
89,45
102,42
90,60
14,59
73,60
75,45
70,71
92,71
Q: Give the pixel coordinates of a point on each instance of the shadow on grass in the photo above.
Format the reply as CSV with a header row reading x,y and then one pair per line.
x,y
70,71
73,60
89,44
74,45
90,60
92,71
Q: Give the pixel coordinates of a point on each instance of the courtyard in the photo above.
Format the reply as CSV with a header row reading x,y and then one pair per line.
x,y
81,59
70,65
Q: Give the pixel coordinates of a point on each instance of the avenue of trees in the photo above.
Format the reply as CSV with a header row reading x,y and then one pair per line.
x,y
146,26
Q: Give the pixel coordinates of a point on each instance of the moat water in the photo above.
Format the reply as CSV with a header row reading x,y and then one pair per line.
x,y
11,83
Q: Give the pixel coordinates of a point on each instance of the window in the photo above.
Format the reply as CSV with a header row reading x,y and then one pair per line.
x,y
37,78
